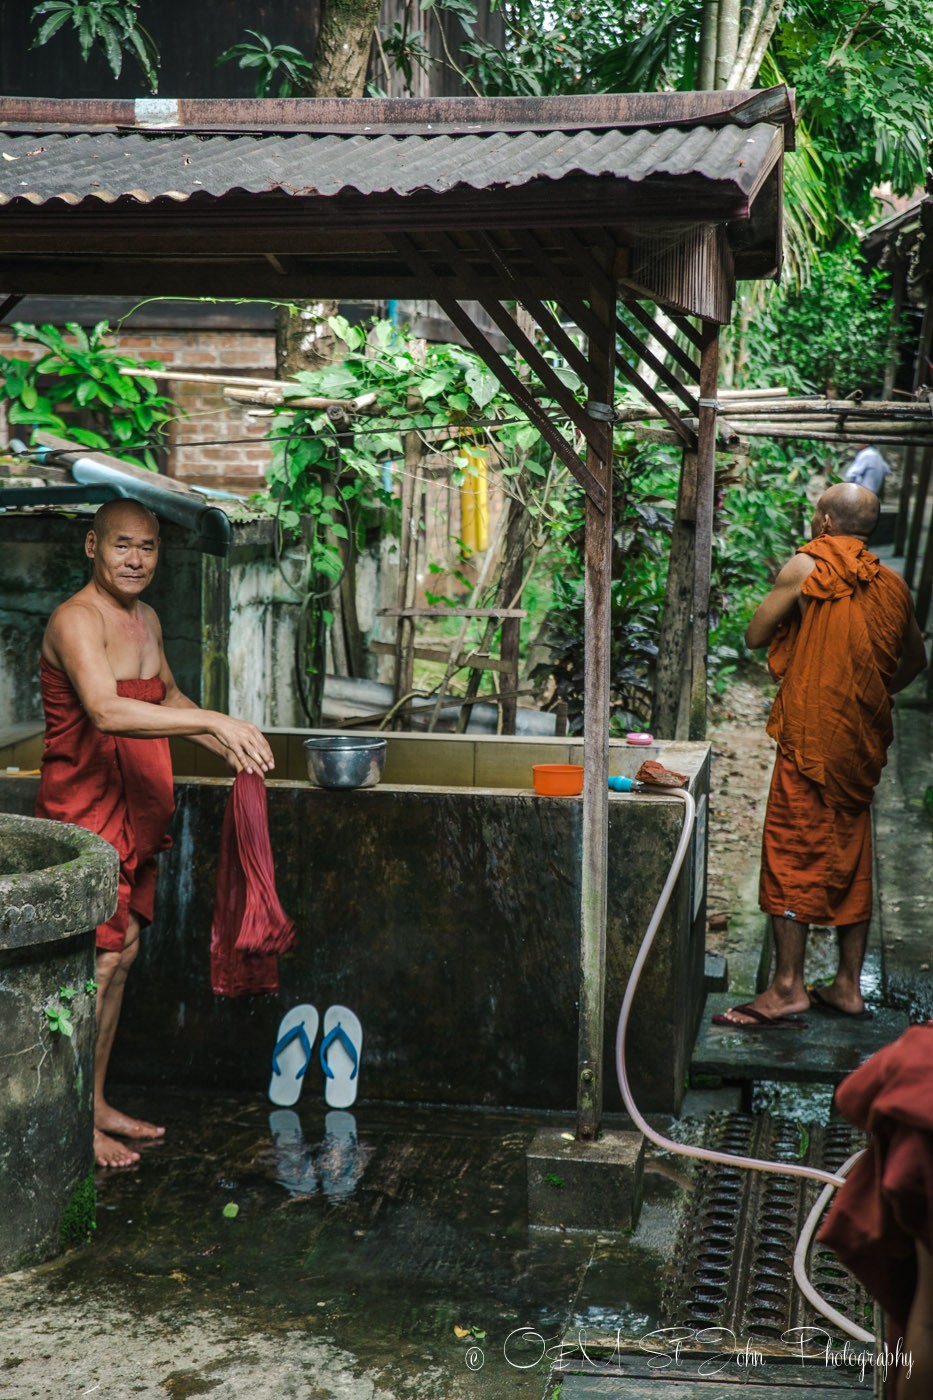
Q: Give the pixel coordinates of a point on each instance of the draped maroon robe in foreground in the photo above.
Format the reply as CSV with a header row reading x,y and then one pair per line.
x,y
887,1201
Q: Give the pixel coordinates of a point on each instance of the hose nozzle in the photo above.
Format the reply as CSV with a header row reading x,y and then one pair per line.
x,y
618,784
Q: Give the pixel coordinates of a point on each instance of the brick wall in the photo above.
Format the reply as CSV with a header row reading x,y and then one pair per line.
x,y
217,443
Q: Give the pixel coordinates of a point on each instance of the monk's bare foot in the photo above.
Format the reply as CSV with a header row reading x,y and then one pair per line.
x,y
110,1153
833,998
111,1120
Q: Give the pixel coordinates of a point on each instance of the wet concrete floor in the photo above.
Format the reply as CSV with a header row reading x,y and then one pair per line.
x,y
360,1243
364,1244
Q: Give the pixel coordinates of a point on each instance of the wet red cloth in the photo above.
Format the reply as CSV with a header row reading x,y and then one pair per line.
x,y
121,788
887,1201
832,714
249,927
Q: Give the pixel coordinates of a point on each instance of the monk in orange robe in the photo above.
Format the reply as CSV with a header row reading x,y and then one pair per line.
x,y
111,704
843,639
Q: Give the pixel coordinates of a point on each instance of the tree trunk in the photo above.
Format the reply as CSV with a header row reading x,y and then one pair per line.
x,y
341,55
728,44
303,339
709,34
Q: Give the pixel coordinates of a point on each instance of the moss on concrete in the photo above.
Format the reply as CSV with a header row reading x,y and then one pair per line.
x,y
79,1218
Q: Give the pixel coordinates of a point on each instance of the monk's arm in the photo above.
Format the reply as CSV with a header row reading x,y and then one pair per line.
x,y
237,742
76,643
913,657
780,602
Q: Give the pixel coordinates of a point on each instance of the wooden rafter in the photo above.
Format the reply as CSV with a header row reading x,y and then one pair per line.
x,y
443,293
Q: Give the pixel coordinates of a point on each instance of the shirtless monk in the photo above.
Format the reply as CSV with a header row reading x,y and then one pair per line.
x,y
110,704
843,639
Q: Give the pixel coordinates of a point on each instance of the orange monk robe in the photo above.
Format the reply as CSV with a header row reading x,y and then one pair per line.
x,y
831,721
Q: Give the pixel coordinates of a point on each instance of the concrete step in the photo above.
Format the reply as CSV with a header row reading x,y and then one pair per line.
x,y
609,1385
823,1051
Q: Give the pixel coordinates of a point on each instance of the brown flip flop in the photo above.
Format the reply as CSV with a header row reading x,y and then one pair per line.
x,y
759,1020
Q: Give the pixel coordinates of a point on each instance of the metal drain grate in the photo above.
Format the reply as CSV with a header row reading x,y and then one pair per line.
x,y
733,1257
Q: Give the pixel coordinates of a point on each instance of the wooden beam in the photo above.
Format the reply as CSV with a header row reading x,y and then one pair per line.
x,y
529,352
597,612
409,525
674,654
703,557
451,612
917,515
475,659
540,313
658,333
903,501
925,586
441,292
640,348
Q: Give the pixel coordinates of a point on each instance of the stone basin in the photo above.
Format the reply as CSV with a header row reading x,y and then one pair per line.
x,y
57,883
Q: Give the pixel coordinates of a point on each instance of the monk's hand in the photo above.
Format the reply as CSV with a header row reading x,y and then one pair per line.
x,y
247,750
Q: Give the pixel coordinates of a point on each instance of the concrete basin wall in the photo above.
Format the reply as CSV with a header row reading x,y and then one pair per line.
x,y
449,921
56,884
446,916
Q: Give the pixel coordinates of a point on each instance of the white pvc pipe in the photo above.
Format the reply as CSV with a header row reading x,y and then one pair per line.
x,y
800,1260
704,1154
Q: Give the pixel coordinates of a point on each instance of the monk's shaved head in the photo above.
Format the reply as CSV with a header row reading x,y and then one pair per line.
x,y
846,509
112,513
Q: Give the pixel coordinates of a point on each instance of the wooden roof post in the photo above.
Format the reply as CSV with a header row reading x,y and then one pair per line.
x,y
703,556
672,671
597,612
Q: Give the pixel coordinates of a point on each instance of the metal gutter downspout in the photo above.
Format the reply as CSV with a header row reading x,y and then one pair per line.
x,y
209,523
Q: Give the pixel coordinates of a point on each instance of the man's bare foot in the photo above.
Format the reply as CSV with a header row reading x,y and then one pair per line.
x,y
110,1120
110,1153
828,998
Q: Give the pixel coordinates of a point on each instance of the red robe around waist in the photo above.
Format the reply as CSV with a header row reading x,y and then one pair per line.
x,y
119,787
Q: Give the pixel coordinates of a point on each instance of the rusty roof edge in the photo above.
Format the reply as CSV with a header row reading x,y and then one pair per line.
x,y
447,115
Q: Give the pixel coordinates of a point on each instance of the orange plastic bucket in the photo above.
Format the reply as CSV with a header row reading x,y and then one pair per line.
x,y
557,779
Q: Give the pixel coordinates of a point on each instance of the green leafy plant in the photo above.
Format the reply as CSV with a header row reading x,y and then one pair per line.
x,y
405,49
111,26
67,994
829,336
82,378
274,63
330,479
644,490
90,987
59,1018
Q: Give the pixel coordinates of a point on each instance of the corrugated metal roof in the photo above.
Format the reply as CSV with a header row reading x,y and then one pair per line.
x,y
108,166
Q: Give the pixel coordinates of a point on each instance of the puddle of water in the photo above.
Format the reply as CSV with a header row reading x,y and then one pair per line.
x,y
356,1249
804,1103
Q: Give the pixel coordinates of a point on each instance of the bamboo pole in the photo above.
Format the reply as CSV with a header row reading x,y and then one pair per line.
x,y
269,391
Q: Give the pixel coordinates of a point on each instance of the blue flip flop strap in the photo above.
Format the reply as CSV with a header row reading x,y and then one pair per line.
x,y
296,1033
338,1033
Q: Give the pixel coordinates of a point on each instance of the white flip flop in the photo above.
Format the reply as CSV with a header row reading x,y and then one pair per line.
x,y
340,1056
292,1054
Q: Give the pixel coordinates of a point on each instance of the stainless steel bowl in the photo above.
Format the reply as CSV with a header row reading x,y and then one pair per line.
x,y
342,761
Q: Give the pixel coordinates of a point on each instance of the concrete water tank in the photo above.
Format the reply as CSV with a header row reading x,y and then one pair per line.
x,y
57,883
